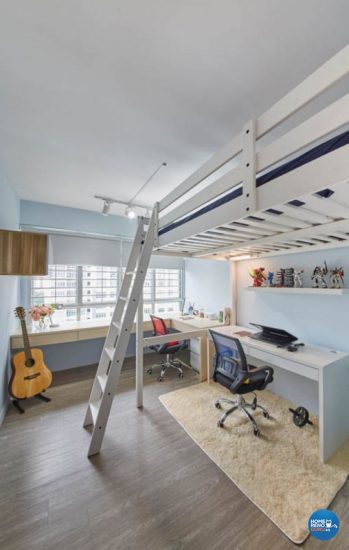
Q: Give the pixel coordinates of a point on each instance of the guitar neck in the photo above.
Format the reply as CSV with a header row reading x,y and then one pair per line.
x,y
26,344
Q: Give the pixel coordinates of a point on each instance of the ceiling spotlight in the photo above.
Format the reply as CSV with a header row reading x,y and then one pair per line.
x,y
106,208
130,212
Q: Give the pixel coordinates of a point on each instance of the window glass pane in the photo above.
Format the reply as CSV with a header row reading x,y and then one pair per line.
x,y
147,309
167,307
64,315
58,287
99,284
167,283
97,313
148,285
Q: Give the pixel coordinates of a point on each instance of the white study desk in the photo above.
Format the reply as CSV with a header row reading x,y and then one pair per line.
x,y
76,331
328,368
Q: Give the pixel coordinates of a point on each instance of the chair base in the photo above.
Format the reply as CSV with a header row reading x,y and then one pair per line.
x,y
166,364
240,404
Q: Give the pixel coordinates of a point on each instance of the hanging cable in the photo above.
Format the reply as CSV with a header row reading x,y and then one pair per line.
x,y
147,181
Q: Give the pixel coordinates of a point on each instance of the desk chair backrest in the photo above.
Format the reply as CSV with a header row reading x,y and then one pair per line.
x,y
229,358
160,329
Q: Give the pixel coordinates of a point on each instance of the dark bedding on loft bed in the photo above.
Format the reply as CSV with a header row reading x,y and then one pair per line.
x,y
314,153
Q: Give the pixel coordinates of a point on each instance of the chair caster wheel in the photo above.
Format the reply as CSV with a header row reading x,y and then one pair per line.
x,y
257,432
218,405
180,375
220,424
254,404
150,371
266,414
160,379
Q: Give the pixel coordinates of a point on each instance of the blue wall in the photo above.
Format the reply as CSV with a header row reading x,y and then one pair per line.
x,y
207,283
74,219
318,320
9,219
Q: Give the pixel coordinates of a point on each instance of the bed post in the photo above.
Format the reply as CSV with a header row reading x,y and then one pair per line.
x,y
139,353
249,167
156,225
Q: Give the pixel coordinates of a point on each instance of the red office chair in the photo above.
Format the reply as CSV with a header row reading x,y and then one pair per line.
x,y
169,349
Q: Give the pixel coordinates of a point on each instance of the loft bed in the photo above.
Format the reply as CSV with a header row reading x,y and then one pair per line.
x,y
290,195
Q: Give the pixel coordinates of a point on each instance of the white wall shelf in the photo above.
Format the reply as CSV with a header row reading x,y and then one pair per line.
x,y
294,290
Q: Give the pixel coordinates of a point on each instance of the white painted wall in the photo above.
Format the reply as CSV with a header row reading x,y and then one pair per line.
x,y
207,283
320,320
9,219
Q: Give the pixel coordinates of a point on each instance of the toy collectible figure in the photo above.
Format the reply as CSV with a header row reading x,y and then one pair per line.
x,y
336,276
289,277
318,276
258,276
270,278
280,278
298,283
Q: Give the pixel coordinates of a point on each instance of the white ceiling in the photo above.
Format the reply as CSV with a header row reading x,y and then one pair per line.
x,y
95,94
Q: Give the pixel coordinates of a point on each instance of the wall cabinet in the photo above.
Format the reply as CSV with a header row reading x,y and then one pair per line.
x,y
23,253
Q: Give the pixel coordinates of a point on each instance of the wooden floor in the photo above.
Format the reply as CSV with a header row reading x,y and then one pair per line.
x,y
151,488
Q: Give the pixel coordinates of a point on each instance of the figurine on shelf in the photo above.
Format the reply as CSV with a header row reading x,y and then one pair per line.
x,y
280,278
270,278
289,277
318,276
258,276
336,276
298,282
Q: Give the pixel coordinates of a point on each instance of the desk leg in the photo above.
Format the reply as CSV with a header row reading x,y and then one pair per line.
x,y
139,353
203,359
333,408
210,351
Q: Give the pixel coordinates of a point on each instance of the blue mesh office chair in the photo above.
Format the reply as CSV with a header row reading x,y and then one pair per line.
x,y
232,371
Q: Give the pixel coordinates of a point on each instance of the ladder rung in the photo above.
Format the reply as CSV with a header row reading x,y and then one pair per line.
x,y
110,352
116,325
102,380
129,273
123,298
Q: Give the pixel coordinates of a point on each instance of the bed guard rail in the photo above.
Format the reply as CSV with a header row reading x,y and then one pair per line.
x,y
243,146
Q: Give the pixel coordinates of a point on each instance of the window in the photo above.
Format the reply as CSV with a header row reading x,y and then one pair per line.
x,y
58,287
163,291
90,292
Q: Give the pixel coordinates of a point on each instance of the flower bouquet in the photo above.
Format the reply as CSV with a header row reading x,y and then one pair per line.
x,y
41,313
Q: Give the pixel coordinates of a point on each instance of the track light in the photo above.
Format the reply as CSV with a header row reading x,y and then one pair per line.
x,y
130,212
106,208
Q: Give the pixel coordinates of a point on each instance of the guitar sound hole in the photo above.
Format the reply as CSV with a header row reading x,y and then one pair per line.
x,y
30,362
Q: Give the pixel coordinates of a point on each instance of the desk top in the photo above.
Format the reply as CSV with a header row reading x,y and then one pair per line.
x,y
72,331
313,356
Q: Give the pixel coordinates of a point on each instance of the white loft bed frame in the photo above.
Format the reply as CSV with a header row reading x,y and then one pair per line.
x,y
228,231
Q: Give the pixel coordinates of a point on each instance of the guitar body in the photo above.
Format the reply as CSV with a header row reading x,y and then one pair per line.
x,y
28,381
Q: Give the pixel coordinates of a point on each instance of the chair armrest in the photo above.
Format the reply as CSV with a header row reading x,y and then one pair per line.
x,y
269,374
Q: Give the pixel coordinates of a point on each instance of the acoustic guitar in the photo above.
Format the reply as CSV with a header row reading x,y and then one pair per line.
x,y
30,375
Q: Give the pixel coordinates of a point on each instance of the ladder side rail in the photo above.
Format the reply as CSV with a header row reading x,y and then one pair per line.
x,y
113,333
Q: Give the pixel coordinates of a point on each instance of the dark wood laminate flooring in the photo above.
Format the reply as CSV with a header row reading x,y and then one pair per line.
x,y
150,488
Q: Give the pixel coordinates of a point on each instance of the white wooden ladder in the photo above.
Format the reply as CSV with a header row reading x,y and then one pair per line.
x,y
115,346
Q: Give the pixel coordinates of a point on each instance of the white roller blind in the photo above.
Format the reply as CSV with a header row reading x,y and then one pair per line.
x,y
74,250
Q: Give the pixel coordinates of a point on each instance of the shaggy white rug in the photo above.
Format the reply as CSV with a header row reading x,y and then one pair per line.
x,y
280,472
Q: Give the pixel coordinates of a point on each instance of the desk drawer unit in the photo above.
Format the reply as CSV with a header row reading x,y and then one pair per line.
x,y
287,364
